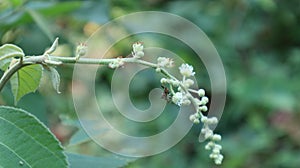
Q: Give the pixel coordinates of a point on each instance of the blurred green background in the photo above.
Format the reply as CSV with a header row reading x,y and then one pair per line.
x,y
257,40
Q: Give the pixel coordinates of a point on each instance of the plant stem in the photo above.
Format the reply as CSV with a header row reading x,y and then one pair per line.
x,y
9,73
30,60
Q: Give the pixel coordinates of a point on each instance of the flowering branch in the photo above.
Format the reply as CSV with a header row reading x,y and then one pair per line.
x,y
180,90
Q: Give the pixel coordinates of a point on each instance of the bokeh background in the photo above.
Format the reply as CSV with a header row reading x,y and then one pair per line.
x,y
257,40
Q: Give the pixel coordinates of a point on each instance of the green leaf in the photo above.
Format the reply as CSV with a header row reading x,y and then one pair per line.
x,y
81,135
42,23
26,142
79,161
26,80
7,52
55,78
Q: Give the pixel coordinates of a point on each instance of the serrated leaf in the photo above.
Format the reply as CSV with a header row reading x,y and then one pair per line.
x,y
26,80
55,78
26,142
79,161
7,52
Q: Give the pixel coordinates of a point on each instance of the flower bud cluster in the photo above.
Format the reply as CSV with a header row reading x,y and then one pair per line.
x,y
186,70
183,96
213,139
81,50
118,62
165,62
138,50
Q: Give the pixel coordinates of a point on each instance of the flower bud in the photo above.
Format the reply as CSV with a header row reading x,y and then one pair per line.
x,y
203,108
216,137
204,99
201,92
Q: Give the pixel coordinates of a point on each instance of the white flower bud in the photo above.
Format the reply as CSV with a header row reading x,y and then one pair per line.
x,y
81,50
204,99
186,102
196,121
213,156
158,70
209,145
204,119
216,151
187,83
216,137
217,146
163,80
192,118
203,108
208,134
201,92
197,115
174,83
219,159
139,54
165,62
212,120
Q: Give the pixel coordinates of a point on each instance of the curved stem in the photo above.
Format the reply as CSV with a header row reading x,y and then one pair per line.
x,y
9,73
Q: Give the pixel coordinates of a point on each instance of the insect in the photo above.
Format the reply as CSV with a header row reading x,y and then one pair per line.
x,y
166,94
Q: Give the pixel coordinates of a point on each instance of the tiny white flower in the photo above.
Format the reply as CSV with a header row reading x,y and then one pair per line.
x,y
186,70
138,46
138,50
201,92
165,62
178,98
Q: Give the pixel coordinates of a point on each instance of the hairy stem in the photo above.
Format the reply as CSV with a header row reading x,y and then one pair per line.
x,y
30,60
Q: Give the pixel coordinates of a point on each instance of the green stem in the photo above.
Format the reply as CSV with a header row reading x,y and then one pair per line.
x,y
9,73
29,60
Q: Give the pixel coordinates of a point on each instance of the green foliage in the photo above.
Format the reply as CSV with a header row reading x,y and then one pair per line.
x,y
7,52
27,142
55,78
26,80
79,161
258,42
